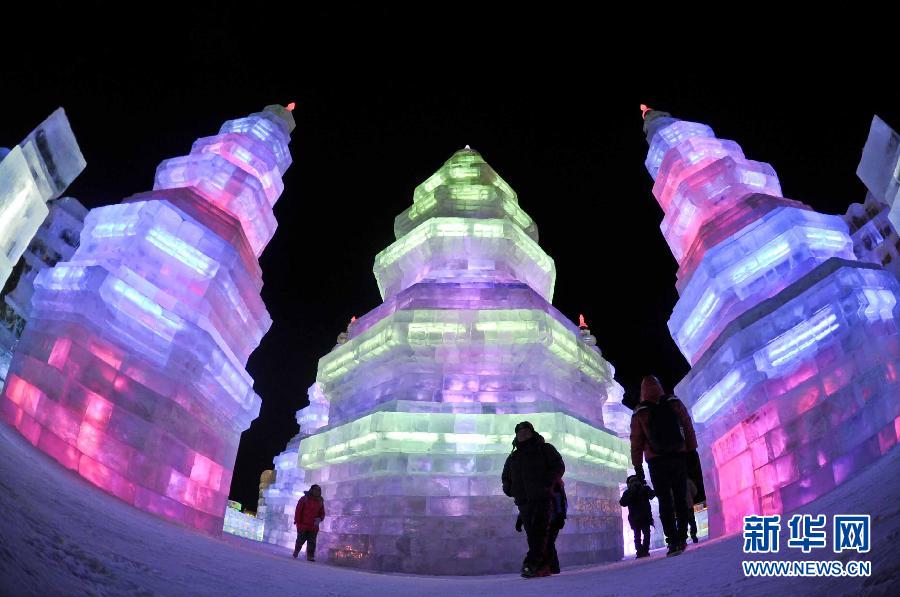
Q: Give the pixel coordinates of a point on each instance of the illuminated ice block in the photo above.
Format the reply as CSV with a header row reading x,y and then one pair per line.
x,y
879,167
794,343
31,173
132,368
753,264
412,414
56,240
242,524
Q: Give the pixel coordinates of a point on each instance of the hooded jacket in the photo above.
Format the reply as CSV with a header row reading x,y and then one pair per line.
x,y
308,509
532,470
651,392
637,499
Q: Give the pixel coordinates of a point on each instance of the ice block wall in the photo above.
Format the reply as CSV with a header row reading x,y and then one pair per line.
x,y
423,394
31,173
131,369
242,524
793,342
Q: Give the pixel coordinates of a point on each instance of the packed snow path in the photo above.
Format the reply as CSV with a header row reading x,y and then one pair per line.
x,y
61,536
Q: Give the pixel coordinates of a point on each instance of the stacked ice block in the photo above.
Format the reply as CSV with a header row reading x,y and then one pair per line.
x,y
131,370
56,240
874,224
423,396
242,524
793,343
38,169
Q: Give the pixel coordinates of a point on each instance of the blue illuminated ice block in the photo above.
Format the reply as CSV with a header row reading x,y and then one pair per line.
x,y
131,370
793,343
413,412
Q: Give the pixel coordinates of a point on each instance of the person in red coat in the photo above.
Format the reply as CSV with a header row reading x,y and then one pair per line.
x,y
309,513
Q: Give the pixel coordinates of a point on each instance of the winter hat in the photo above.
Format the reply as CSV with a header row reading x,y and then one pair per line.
x,y
523,425
651,389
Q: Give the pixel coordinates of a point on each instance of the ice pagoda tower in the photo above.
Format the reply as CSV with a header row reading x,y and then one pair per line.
x,y
422,395
793,343
131,369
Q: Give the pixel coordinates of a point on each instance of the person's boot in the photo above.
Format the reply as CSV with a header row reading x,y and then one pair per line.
x,y
295,554
528,571
310,558
694,538
675,549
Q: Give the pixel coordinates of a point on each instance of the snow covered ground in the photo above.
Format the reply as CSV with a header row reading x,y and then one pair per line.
x,y
61,536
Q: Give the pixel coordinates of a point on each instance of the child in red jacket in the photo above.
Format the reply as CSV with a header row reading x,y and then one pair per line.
x,y
309,513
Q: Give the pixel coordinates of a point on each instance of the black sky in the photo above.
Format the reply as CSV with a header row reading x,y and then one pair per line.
x,y
565,132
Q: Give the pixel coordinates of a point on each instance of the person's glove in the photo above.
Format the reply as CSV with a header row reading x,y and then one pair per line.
x,y
639,473
317,521
519,524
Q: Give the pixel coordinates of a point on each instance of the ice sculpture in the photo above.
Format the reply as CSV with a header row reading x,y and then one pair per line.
x,y
56,240
131,370
413,412
793,342
874,224
242,524
31,173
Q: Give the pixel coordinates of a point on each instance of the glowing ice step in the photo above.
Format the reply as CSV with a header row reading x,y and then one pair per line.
x,y
709,192
449,434
670,136
752,265
265,127
464,186
409,330
138,323
837,308
458,249
685,159
186,267
227,186
252,156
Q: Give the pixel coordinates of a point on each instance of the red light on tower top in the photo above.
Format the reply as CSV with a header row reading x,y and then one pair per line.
x,y
581,322
644,109
290,107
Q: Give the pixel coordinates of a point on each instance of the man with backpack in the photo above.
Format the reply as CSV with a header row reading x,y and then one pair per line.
x,y
662,432
532,475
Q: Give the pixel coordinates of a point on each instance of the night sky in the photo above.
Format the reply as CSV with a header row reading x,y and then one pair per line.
x,y
568,140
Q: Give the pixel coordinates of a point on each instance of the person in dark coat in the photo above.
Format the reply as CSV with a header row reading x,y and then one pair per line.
x,y
662,432
530,475
637,498
309,513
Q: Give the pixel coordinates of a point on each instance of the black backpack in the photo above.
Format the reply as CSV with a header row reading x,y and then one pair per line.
x,y
664,426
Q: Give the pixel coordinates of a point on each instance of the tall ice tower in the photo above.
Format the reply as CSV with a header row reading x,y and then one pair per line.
x,y
413,413
131,369
793,343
